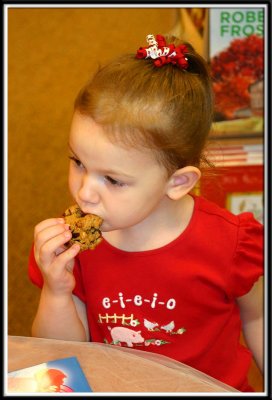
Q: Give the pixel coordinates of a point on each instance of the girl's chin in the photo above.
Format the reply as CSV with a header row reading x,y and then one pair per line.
x,y
106,228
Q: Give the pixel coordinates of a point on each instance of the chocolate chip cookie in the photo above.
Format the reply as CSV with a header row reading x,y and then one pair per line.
x,y
85,228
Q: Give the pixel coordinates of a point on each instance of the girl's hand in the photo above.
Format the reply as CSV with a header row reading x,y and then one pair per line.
x,y
54,260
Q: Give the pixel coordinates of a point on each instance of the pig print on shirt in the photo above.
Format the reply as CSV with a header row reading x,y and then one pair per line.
x,y
121,334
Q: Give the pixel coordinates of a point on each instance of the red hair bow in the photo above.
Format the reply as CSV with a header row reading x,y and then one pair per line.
x,y
163,53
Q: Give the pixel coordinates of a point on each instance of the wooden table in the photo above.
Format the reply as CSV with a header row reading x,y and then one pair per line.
x,y
114,369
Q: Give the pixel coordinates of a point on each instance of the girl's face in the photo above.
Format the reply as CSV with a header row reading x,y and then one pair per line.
x,y
123,186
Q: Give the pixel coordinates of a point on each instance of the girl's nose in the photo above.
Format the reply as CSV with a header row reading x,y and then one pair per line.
x,y
88,191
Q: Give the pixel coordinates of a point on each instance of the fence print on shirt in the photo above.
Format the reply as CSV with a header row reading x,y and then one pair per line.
x,y
119,318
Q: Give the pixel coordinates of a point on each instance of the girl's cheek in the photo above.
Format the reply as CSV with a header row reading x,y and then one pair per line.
x,y
73,182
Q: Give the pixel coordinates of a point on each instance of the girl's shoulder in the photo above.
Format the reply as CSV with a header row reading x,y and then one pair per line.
x,y
242,233
210,210
240,237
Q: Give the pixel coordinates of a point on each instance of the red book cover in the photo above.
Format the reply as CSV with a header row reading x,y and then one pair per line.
x,y
236,183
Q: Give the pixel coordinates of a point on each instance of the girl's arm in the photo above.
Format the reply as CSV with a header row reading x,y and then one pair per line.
x,y
251,310
60,317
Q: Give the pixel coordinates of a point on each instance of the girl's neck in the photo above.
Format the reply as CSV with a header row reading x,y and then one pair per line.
x,y
157,231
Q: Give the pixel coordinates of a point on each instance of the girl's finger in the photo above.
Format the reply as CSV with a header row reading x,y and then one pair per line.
x,y
48,233
66,258
47,223
48,251
60,250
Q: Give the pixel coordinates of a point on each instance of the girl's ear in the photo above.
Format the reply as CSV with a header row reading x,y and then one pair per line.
x,y
182,182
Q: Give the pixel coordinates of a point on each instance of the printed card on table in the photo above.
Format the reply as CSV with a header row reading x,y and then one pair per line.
x,y
62,375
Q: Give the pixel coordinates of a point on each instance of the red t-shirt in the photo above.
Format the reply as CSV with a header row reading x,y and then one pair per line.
x,y
178,300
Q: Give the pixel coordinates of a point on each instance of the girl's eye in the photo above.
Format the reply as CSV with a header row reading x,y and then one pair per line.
x,y
76,161
114,182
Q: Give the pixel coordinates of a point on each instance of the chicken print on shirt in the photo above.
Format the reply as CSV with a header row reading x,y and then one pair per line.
x,y
150,325
169,327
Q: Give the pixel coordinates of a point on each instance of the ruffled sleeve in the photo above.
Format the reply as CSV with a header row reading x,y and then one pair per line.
x,y
248,262
35,275
34,272
79,289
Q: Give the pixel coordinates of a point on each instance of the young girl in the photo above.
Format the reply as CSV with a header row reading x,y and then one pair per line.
x,y
175,274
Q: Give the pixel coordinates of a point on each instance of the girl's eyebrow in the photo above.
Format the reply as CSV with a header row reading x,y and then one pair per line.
x,y
70,148
106,171
116,173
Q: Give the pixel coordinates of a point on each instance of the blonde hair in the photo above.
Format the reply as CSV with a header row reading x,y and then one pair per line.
x,y
166,108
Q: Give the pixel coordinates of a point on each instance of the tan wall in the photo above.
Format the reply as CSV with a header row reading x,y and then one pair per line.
x,y
51,53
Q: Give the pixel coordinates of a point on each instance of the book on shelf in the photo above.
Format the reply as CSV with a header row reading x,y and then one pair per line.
x,y
237,181
236,55
236,155
60,375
